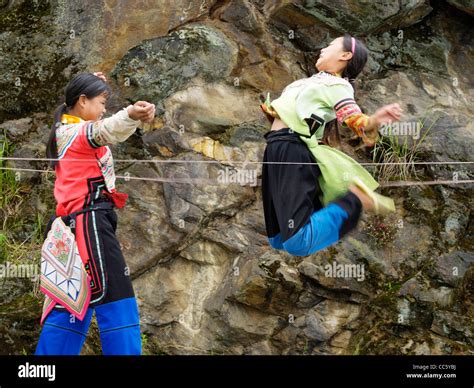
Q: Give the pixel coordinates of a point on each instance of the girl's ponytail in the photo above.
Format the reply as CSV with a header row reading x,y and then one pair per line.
x,y
51,146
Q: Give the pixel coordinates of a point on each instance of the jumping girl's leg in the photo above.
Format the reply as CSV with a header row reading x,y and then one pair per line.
x,y
325,226
271,219
294,216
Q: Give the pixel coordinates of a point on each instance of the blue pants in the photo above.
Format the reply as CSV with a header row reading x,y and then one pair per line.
x,y
295,218
321,231
119,327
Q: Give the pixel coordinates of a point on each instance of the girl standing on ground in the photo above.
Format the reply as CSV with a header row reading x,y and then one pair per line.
x,y
82,266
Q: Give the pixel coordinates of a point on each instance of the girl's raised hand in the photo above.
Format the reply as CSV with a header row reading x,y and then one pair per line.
x,y
388,113
101,76
143,111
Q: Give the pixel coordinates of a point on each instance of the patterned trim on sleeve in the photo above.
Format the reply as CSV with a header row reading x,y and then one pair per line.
x,y
346,108
349,113
106,164
92,136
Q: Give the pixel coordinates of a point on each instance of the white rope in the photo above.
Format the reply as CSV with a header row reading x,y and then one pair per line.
x,y
223,161
258,183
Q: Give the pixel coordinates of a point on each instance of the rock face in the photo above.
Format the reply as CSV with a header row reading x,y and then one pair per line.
x,y
160,67
206,279
358,17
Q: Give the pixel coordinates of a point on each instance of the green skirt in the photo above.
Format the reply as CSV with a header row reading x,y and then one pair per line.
x,y
337,170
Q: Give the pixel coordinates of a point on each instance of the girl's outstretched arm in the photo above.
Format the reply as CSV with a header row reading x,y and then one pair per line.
x,y
364,126
121,125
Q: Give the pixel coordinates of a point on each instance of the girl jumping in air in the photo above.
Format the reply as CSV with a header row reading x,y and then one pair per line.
x,y
313,194
82,266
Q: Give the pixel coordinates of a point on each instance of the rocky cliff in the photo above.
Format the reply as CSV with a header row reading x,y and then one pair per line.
x,y
206,279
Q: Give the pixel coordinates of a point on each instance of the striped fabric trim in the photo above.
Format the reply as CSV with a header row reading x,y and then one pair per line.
x,y
106,165
90,136
102,269
342,103
100,286
347,111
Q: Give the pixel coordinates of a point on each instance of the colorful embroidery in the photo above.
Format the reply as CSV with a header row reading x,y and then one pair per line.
x,y
63,277
357,123
93,134
65,136
106,164
345,108
319,78
60,245
329,79
349,113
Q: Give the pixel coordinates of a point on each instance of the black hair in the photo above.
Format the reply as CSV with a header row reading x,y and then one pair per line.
x,y
81,84
354,67
356,64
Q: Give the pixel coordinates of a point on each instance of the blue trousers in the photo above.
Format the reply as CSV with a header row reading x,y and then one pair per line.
x,y
119,327
295,218
321,231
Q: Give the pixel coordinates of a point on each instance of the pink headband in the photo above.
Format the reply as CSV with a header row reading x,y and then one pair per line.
x,y
353,45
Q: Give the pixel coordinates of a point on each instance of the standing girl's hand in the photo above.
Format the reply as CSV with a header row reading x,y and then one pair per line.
x,y
101,76
387,114
143,111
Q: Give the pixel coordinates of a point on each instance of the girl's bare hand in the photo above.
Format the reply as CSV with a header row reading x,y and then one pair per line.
x,y
143,111
101,76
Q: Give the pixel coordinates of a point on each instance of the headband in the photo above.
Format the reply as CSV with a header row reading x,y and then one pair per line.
x,y
353,45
